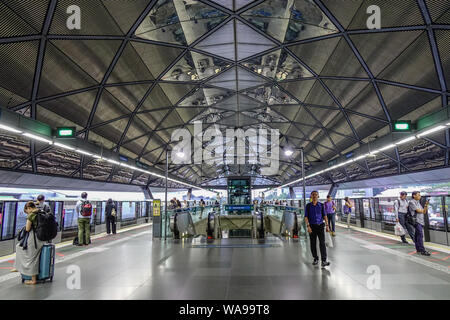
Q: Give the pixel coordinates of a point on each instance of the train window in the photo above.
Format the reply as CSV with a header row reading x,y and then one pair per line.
x,y
9,215
143,211
102,213
387,210
436,214
70,217
366,209
21,219
128,210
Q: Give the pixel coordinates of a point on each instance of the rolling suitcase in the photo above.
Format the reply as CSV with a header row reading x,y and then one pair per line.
x,y
46,264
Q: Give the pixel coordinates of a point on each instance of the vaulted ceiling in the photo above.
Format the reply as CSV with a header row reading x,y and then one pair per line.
x,y
137,70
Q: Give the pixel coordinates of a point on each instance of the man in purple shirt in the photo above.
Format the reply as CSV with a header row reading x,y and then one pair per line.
x,y
314,216
330,211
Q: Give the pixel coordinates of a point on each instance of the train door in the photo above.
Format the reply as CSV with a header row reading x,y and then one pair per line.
x,y
447,218
438,220
57,209
388,215
358,213
8,226
69,221
367,214
376,214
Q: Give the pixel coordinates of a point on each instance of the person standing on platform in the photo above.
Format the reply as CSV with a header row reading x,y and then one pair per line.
x,y
84,210
330,210
348,210
401,208
418,211
28,256
314,217
41,205
110,216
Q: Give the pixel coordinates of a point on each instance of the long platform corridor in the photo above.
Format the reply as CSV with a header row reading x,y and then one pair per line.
x,y
130,265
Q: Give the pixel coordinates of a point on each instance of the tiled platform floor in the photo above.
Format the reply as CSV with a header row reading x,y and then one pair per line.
x,y
132,266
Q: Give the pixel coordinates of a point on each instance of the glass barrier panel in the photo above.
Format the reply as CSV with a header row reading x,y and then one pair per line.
x,y
436,214
21,216
9,215
447,204
70,216
57,211
2,204
366,209
128,210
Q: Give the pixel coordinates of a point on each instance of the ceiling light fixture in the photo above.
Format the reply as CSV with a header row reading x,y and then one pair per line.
x,y
8,128
405,140
32,136
63,146
425,133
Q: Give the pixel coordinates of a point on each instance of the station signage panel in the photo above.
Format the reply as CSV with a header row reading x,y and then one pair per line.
x,y
157,208
65,132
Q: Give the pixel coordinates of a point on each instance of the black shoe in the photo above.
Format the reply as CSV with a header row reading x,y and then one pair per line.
x,y
315,262
325,264
425,253
404,241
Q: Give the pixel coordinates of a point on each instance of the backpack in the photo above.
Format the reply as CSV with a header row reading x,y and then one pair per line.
x,y
86,209
47,227
410,217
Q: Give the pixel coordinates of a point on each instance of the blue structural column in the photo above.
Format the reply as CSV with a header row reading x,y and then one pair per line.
x,y
333,190
147,193
291,196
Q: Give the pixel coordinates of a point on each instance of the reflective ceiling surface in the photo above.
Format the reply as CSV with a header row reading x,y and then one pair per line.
x,y
137,70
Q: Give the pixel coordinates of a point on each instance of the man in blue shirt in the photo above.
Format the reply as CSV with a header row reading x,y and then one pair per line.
x,y
314,216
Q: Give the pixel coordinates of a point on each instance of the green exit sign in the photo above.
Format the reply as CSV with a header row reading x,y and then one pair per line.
x,y
65,132
402,126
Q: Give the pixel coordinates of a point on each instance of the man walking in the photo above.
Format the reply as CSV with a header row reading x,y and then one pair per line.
x,y
401,208
418,211
314,216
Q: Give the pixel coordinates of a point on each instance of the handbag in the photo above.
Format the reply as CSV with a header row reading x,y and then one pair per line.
x,y
113,212
399,231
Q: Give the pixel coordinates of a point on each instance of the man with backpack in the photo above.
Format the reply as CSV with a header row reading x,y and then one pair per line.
x,y
84,210
314,217
401,209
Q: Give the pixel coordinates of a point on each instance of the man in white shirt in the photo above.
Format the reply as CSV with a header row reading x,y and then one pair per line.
x,y
401,208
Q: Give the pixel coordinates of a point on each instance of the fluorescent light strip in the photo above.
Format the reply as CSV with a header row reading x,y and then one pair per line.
x,y
84,152
430,131
8,128
405,140
372,153
113,161
387,147
63,146
32,136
